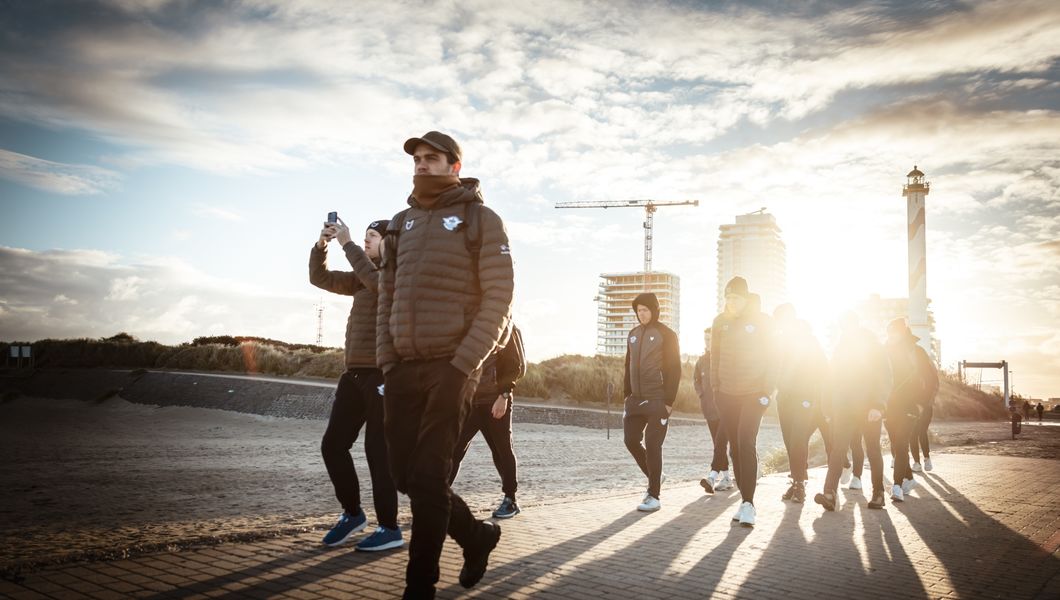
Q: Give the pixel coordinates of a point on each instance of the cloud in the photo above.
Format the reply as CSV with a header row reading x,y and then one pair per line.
x,y
60,178
73,293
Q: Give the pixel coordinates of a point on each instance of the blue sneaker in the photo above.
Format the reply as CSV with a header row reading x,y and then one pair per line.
x,y
347,526
382,539
507,509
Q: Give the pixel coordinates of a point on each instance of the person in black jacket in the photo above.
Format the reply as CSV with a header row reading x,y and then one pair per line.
x,y
802,368
652,375
718,479
359,395
491,413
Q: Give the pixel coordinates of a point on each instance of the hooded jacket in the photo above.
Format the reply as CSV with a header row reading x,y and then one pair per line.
x,y
801,364
860,374
363,285
742,353
915,378
653,358
434,302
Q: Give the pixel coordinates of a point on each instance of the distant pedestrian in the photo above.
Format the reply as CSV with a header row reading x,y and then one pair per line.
x,y
859,384
742,372
445,299
491,413
1041,409
1026,410
801,374
652,376
359,395
718,479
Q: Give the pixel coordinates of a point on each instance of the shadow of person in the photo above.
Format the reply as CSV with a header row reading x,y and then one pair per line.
x,y
273,577
984,556
600,559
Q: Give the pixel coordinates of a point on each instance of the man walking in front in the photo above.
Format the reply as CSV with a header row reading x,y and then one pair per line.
x,y
445,298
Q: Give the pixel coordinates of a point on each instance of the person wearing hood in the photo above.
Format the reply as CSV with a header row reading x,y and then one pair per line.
x,y
652,376
909,388
358,396
859,381
445,299
743,373
801,370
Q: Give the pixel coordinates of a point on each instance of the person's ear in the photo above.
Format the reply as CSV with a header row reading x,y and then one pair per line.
x,y
455,168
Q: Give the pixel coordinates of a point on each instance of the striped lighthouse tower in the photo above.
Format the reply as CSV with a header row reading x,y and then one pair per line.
x,y
915,191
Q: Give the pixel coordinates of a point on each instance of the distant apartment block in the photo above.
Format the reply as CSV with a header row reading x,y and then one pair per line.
x,y
615,317
876,312
753,249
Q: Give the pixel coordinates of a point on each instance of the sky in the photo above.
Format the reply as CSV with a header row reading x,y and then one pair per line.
x,y
166,166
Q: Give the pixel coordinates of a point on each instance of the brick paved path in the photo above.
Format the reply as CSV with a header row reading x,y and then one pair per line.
x,y
978,527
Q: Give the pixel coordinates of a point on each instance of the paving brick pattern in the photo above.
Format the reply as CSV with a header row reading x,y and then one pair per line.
x,y
978,527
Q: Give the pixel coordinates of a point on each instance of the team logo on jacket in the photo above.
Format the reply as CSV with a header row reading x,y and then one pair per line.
x,y
651,338
749,328
663,422
633,339
380,388
764,400
451,223
505,249
408,224
806,404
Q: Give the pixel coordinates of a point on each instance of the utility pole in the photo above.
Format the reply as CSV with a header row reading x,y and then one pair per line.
x,y
650,206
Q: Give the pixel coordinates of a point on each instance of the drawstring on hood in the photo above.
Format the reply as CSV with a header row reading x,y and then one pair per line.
x,y
427,189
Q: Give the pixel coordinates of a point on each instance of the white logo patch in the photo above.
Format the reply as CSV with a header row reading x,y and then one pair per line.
x,y
505,249
749,328
451,223
764,400
380,388
373,225
633,339
663,422
408,224
806,404
651,338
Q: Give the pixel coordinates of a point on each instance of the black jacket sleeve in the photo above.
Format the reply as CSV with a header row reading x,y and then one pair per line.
x,y
511,362
627,386
671,367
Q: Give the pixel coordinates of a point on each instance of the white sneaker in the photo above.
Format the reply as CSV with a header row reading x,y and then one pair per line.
x,y
908,485
855,483
747,514
847,474
650,504
724,484
896,494
739,513
927,464
917,468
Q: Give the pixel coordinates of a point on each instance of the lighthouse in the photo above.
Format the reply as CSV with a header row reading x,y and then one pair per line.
x,y
915,191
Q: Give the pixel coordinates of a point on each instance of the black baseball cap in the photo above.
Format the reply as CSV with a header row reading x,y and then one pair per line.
x,y
438,141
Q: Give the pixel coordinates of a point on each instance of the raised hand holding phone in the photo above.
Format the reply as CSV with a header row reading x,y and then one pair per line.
x,y
342,232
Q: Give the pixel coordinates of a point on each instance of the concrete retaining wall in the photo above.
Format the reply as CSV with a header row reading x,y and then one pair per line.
x,y
272,396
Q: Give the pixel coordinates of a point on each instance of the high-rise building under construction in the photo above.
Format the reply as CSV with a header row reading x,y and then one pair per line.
x,y
752,248
615,317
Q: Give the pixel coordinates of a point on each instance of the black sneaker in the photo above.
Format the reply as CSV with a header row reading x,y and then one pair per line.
x,y
798,493
507,509
825,500
877,501
476,558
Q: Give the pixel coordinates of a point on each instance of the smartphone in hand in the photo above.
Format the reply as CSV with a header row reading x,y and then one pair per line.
x,y
333,217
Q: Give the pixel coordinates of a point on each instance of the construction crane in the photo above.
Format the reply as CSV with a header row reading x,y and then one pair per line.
x,y
650,207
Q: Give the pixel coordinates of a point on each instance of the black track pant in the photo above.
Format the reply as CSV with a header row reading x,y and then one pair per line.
x,y
848,429
649,457
359,402
498,436
720,460
741,417
899,428
799,418
426,403
919,439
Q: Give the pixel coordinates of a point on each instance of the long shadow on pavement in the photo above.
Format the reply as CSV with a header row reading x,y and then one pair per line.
x,y
983,557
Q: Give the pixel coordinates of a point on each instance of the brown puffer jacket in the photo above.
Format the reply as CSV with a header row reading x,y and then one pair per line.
x,y
743,354
431,305
362,283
